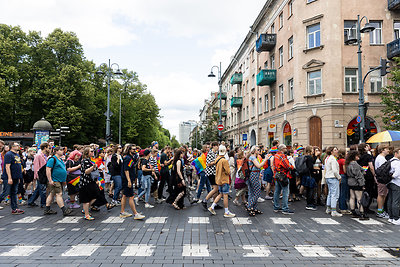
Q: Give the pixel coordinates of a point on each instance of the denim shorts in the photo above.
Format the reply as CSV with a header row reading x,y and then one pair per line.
x,y
224,189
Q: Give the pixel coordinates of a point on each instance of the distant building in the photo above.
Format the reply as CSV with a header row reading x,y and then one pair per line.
x,y
185,128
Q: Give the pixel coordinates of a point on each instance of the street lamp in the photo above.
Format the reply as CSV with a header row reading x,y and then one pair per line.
x,y
109,73
353,40
212,75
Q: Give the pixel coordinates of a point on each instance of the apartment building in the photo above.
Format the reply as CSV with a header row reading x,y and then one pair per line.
x,y
294,79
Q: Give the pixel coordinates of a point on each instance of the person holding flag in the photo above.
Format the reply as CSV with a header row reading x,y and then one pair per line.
x,y
200,166
73,166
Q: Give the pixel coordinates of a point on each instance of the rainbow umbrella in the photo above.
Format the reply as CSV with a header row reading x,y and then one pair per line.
x,y
386,136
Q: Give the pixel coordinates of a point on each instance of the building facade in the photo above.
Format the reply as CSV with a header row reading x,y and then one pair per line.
x,y
185,128
294,79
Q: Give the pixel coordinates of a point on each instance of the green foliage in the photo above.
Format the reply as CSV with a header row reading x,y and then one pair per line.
x,y
50,77
209,132
391,100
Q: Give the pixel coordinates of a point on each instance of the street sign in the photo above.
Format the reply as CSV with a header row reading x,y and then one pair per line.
x,y
220,127
358,119
244,137
54,133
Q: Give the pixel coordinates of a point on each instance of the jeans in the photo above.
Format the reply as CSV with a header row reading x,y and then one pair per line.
x,y
333,194
139,177
146,186
393,202
39,191
203,180
6,190
13,189
117,186
285,196
344,193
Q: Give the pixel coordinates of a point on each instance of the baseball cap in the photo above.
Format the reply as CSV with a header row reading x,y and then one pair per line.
x,y
222,150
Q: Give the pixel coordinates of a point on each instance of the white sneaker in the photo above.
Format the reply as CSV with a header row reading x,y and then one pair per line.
x,y
260,200
236,202
268,198
229,214
396,222
139,216
328,210
199,201
212,211
125,214
148,206
1,207
136,201
336,214
390,220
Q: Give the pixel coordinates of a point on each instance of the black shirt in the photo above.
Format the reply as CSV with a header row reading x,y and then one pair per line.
x,y
163,159
364,161
129,165
146,163
116,165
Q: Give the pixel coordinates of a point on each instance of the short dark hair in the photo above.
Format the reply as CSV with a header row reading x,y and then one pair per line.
x,y
44,145
214,144
329,150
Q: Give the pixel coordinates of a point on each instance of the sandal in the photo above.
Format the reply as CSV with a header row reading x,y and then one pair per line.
x,y
258,212
89,218
176,206
94,209
252,213
110,206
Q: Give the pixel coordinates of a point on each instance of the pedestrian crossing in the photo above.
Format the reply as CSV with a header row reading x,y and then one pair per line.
x,y
203,251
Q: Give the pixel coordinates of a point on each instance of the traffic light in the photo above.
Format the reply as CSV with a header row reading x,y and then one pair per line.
x,y
109,137
384,67
356,131
367,130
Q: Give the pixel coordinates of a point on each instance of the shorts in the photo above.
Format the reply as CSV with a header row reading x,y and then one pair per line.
x,y
356,188
382,190
268,176
223,189
55,188
126,191
211,178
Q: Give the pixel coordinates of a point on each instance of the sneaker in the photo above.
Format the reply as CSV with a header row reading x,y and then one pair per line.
x,y
396,222
67,212
204,203
288,212
199,201
139,216
88,218
22,202
260,200
346,212
125,214
148,206
49,212
116,202
33,204
212,211
75,206
236,202
268,198
382,215
17,212
390,220
311,208
1,207
328,210
136,201
364,217
229,214
278,210
334,213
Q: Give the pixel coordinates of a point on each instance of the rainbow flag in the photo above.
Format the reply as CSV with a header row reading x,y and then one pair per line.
x,y
200,163
246,145
97,161
365,168
130,163
75,181
102,183
158,162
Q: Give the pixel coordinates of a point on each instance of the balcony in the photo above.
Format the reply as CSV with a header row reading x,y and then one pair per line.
x,y
223,113
237,78
266,42
394,5
393,48
266,77
223,96
236,102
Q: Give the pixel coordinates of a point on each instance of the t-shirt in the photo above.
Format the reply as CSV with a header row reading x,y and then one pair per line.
x,y
163,159
146,163
211,156
128,165
364,161
15,166
341,165
72,164
379,161
59,172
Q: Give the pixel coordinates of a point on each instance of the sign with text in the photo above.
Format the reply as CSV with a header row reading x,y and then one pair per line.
x,y
41,137
244,137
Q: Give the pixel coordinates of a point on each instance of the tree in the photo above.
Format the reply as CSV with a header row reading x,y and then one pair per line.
x,y
391,100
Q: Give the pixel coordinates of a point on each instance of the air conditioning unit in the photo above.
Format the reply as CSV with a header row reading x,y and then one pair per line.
x,y
337,124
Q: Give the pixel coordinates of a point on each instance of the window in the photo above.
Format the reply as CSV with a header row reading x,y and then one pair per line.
x,y
375,37
290,7
290,43
273,99
314,83
376,81
273,28
281,20
272,59
291,89
252,82
281,56
266,102
247,113
350,80
281,94
266,64
260,105
396,29
252,55
253,108
313,36
350,29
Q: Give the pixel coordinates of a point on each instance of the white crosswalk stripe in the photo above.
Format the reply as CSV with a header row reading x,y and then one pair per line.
x,y
29,219
325,221
241,220
70,219
21,251
156,220
279,220
258,251
114,219
368,222
81,250
138,250
313,251
195,251
199,220
372,252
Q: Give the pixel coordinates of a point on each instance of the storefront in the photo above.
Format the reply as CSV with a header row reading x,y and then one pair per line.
x,y
24,138
287,134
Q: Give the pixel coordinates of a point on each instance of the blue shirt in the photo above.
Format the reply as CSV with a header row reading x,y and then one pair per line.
x,y
15,166
59,172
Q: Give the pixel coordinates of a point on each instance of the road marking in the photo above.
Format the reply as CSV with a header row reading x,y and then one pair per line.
x,y
115,219
28,219
241,221
72,219
299,230
156,220
195,251
368,222
313,251
199,220
75,229
372,252
60,229
138,250
258,251
325,221
31,229
81,250
279,220
45,229
21,251
343,231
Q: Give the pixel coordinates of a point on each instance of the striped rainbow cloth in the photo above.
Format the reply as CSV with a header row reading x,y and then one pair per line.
x,y
102,183
200,163
246,145
130,163
365,168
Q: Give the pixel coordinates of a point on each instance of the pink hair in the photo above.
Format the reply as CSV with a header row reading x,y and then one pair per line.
x,y
74,154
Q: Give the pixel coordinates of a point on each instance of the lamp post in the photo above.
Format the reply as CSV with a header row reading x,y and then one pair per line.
x,y
212,75
109,73
351,40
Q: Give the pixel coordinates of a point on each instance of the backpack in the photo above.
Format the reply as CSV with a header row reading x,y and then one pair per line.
x,y
42,172
383,174
301,165
244,172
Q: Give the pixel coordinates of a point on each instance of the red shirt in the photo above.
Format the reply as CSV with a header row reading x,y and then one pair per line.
x,y
282,164
341,165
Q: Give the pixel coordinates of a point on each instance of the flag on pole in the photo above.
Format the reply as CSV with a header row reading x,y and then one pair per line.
x,y
200,163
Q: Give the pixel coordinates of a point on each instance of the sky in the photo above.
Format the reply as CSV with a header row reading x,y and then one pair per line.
x,y
171,44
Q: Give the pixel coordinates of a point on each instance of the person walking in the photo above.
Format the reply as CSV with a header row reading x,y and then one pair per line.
x,y
332,177
210,172
203,177
164,173
89,190
115,171
148,171
393,203
383,151
344,187
254,183
73,165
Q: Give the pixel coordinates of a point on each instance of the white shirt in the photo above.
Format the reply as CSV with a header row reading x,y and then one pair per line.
x,y
331,168
396,171
379,161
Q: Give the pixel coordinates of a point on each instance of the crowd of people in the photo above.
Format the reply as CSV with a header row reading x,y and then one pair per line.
x,y
87,177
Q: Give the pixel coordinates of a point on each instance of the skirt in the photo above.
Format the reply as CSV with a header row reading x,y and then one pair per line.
x,y
89,192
